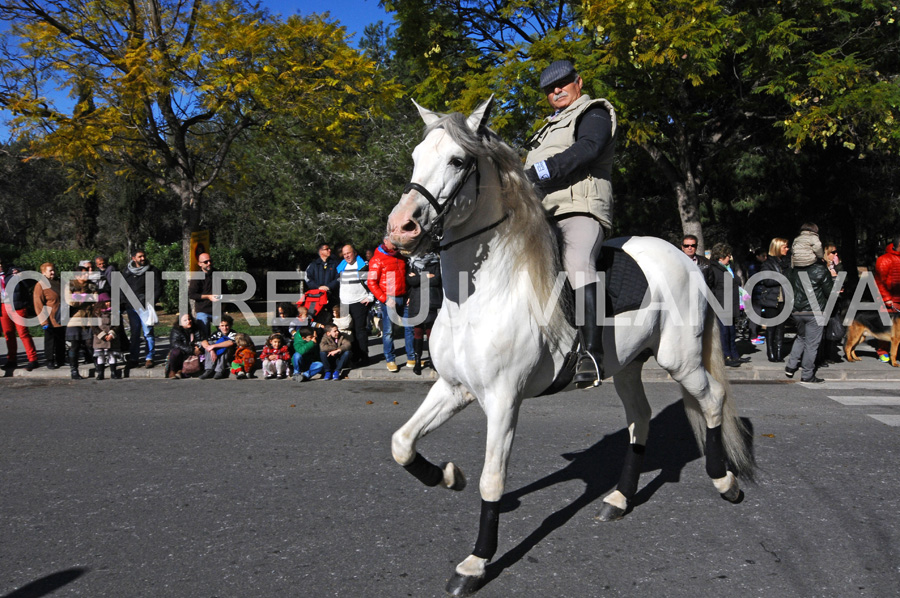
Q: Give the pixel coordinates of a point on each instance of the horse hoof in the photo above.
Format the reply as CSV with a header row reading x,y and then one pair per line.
x,y
610,512
733,494
453,477
463,585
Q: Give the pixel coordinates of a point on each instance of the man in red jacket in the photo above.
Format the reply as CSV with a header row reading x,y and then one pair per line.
x,y
387,281
887,277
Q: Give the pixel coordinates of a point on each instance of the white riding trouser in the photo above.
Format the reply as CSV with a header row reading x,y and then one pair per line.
x,y
582,239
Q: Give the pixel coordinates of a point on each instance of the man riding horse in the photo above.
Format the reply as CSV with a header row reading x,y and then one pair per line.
x,y
570,162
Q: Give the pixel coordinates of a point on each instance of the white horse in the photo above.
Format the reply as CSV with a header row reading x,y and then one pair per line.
x,y
504,331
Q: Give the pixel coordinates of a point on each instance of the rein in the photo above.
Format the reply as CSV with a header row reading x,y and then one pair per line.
x,y
437,228
476,233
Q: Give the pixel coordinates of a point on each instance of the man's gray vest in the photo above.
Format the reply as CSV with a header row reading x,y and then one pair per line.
x,y
593,194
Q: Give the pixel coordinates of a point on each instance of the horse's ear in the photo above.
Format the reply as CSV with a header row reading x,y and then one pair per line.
x,y
479,118
427,115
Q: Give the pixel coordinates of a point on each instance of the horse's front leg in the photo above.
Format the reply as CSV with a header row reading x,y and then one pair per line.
x,y
502,415
442,402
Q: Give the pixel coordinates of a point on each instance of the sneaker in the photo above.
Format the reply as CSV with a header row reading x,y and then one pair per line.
x,y
884,357
241,375
336,376
410,363
327,376
789,372
392,367
758,340
303,378
148,364
813,380
269,376
207,375
220,376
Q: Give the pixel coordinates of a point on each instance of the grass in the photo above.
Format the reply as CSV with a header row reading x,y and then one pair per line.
x,y
166,321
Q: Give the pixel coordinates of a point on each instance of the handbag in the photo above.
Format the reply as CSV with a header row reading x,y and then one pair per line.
x,y
834,330
191,365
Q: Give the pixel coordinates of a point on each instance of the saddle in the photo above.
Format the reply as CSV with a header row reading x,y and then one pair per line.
x,y
625,286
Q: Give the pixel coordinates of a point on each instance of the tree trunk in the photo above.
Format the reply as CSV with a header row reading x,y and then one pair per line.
x,y
683,183
190,218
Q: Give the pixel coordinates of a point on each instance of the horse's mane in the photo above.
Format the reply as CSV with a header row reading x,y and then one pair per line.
x,y
534,242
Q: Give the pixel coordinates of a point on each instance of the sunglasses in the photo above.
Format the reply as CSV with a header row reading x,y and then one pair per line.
x,y
204,262
688,245
548,89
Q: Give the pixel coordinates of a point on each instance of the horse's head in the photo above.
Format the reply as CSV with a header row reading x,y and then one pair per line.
x,y
443,183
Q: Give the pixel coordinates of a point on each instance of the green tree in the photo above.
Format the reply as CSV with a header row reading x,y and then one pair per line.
x,y
163,89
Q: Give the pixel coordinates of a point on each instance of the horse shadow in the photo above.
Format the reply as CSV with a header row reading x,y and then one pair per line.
x,y
48,584
670,446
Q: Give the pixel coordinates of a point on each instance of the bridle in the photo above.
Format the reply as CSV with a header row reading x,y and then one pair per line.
x,y
436,233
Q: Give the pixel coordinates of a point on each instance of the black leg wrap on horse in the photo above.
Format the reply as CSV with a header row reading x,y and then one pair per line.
x,y
425,471
715,453
488,527
631,471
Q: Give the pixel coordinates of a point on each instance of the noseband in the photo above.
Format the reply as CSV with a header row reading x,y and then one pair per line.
x,y
437,227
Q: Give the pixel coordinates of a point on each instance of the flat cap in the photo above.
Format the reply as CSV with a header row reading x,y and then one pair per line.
x,y
556,71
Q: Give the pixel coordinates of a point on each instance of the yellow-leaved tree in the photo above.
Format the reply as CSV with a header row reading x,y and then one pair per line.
x,y
164,88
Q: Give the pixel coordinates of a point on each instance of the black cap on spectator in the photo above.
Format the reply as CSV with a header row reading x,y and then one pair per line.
x,y
556,71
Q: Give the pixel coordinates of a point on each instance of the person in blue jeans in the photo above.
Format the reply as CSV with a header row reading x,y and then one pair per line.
x,y
335,352
387,282
145,282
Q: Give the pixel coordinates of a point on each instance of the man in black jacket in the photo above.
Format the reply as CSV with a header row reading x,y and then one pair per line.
x,y
322,274
200,291
145,281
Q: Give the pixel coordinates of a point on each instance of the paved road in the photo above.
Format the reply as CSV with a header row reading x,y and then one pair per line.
x,y
149,488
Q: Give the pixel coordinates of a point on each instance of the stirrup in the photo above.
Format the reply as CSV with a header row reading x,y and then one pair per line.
x,y
587,379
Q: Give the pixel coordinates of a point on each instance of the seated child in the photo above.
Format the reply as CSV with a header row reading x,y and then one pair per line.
x,y
344,324
335,351
244,356
306,353
107,339
275,358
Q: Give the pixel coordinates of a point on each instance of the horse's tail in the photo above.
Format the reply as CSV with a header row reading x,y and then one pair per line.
x,y
735,435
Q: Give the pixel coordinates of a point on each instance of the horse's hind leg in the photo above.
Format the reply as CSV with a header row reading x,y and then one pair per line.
x,y
442,402
637,413
704,401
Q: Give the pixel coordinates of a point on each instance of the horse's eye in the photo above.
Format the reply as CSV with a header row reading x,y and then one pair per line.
x,y
456,162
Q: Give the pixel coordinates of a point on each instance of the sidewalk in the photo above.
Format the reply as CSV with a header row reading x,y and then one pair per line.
x,y
758,369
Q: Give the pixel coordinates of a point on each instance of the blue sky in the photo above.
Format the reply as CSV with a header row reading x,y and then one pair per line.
x,y
352,14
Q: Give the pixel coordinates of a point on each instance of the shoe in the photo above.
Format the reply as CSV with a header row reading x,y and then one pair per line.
x,y
336,376
9,365
824,364
220,376
410,363
52,366
268,376
171,375
813,380
241,375
327,376
117,375
758,340
392,367
148,364
177,376
790,372
31,365
301,377
732,363
282,376
207,375
744,359
76,375
884,357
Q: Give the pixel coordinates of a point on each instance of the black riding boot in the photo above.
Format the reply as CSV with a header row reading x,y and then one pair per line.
x,y
113,372
101,368
418,346
779,343
589,370
770,343
73,361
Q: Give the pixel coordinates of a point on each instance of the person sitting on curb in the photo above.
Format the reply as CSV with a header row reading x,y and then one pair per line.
x,y
220,348
306,353
335,350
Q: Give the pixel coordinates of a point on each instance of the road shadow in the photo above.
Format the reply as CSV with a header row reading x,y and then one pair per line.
x,y
670,446
48,584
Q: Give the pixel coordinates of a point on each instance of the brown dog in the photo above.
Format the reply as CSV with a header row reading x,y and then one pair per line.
x,y
869,323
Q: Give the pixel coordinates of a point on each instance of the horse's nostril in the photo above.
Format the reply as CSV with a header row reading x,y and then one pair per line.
x,y
409,227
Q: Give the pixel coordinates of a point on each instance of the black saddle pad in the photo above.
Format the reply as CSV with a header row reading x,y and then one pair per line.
x,y
626,284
